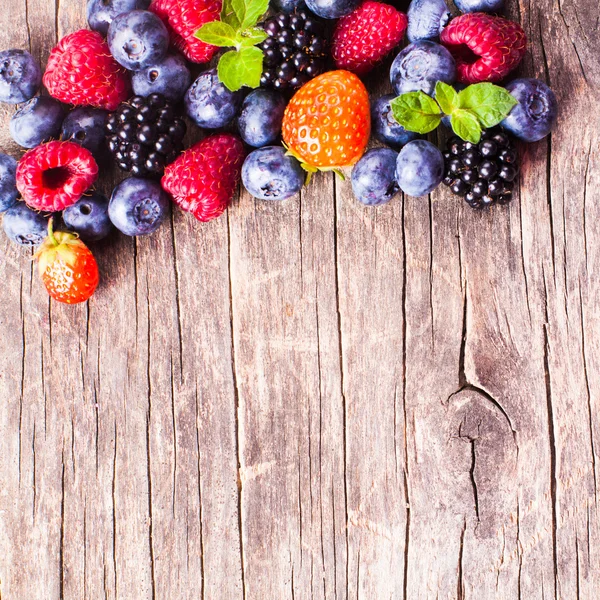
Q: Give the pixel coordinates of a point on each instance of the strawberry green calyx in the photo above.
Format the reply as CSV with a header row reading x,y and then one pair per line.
x,y
58,245
237,29
310,169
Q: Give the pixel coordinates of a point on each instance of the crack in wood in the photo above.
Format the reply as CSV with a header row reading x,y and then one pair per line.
x,y
237,412
341,367
114,513
177,297
472,476
174,426
34,504
588,394
200,510
61,553
583,73
553,467
460,586
519,549
431,275
406,459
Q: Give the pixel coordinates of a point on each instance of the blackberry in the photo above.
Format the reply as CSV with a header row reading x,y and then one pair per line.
x,y
144,135
483,174
294,52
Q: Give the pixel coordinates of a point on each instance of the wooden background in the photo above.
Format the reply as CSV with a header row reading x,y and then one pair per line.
x,y
314,399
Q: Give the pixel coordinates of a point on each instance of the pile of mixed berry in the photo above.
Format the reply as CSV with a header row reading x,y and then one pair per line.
x,y
282,100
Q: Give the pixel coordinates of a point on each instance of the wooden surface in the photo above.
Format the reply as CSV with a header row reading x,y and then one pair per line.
x,y
318,400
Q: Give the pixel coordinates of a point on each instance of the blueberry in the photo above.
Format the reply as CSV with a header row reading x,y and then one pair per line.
x,y
138,206
138,39
85,126
426,19
420,66
419,168
332,9
385,128
20,76
260,119
24,226
89,217
8,183
374,177
534,117
100,13
288,6
37,121
209,103
170,77
469,6
269,174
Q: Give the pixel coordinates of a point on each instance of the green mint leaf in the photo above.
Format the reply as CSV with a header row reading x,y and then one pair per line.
x,y
488,102
255,9
251,37
417,112
217,33
446,96
466,125
241,68
248,12
229,16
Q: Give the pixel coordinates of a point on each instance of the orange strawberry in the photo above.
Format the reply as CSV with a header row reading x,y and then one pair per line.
x,y
67,267
327,123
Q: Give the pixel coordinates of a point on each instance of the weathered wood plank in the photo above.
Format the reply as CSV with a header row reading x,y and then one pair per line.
x,y
314,399
291,410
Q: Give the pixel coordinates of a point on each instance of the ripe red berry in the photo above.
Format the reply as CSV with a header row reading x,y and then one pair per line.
x,y
485,47
67,267
81,71
327,123
203,179
364,37
55,175
183,18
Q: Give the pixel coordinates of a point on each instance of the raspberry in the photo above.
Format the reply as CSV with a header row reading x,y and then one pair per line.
x,y
483,174
203,179
183,18
144,135
295,50
485,47
363,38
55,175
81,71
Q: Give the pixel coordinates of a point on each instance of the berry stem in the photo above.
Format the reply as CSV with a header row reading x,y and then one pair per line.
x,y
51,232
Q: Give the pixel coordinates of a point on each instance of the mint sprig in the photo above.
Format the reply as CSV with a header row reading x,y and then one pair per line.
x,y
237,29
477,107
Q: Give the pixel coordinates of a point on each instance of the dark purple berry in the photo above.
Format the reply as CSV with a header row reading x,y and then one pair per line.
x,y
294,43
151,133
487,169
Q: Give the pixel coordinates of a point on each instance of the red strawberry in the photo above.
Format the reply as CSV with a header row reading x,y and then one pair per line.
x,y
327,123
82,71
485,47
203,179
363,38
183,18
55,175
67,267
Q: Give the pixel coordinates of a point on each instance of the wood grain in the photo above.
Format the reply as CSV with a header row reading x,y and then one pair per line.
x,y
314,399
